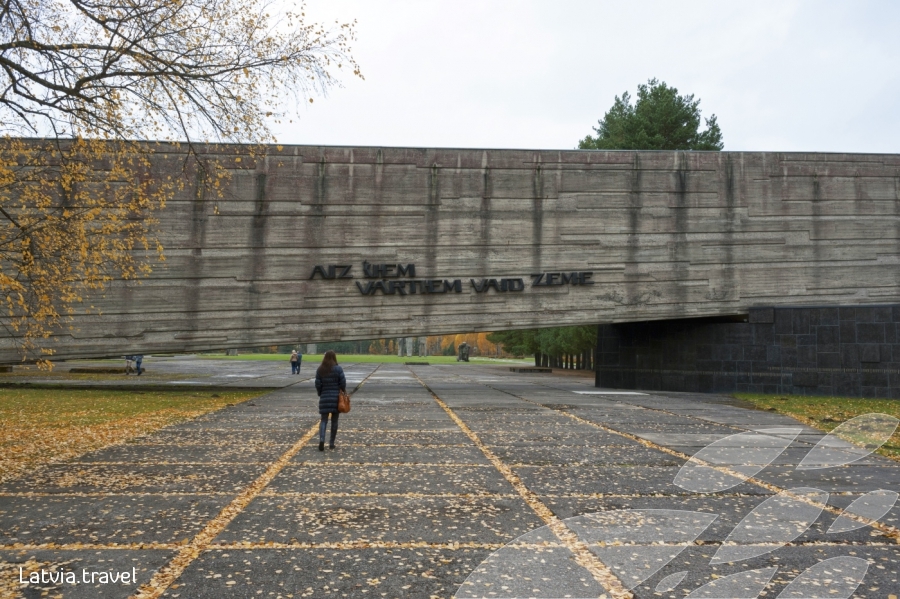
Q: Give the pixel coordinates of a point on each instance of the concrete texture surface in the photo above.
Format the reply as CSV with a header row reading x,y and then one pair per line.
x,y
665,235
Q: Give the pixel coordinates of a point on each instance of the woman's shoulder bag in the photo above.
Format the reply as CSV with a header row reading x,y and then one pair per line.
x,y
343,402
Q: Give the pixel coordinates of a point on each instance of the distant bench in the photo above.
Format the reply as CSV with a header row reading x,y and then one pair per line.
x,y
529,369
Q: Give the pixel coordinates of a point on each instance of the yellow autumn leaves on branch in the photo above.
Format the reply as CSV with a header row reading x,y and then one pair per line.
x,y
75,212
94,83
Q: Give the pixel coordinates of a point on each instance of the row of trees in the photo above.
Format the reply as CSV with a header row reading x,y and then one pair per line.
x,y
434,345
559,347
441,345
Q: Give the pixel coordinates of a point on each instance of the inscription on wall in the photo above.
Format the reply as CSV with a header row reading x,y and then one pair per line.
x,y
399,279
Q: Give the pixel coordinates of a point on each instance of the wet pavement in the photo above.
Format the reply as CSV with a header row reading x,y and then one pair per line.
x,y
466,481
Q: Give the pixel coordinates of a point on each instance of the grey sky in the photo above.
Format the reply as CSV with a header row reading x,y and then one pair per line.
x,y
788,75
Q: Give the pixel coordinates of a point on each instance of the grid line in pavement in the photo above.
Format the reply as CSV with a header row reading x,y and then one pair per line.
x,y
583,555
165,576
886,529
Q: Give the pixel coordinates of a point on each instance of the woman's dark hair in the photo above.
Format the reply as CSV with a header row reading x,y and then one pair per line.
x,y
329,361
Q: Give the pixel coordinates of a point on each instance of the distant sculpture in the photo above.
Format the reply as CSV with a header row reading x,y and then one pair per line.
x,y
463,352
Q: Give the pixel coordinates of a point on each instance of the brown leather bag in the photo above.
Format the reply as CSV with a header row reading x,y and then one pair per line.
x,y
343,402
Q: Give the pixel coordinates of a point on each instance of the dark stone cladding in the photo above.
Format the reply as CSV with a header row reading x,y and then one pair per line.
x,y
845,351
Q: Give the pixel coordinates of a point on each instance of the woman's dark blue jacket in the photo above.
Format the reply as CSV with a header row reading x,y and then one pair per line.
x,y
328,387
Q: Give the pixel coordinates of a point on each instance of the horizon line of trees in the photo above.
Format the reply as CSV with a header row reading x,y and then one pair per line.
x,y
556,347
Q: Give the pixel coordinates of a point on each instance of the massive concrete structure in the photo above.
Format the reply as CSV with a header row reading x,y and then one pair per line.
x,y
315,243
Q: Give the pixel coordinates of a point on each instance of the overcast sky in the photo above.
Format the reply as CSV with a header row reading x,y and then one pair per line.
x,y
785,75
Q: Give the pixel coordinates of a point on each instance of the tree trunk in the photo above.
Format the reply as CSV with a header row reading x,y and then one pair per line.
x,y
537,359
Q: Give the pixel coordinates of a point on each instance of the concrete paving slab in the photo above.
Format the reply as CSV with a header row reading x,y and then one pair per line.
x,y
136,478
729,511
516,421
530,570
123,519
611,480
361,436
395,572
396,454
846,479
345,519
583,455
881,577
157,454
349,478
646,426
181,437
358,422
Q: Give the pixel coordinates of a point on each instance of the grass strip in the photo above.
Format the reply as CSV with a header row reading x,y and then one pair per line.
x,y
313,360
40,426
826,413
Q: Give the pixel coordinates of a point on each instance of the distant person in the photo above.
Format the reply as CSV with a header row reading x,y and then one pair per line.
x,y
295,363
299,361
330,381
137,363
129,364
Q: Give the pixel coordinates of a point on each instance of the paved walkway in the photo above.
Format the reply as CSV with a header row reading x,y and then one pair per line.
x,y
438,469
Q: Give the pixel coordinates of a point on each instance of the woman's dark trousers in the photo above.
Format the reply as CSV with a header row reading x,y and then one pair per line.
x,y
334,426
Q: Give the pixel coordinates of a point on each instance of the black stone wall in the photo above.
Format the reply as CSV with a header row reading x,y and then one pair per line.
x,y
849,351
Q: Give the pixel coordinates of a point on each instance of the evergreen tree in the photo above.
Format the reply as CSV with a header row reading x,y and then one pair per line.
x,y
660,119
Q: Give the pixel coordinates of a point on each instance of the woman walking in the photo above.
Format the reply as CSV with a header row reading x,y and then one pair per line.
x,y
330,381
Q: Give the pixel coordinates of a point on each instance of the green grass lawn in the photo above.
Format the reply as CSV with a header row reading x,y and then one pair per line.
x,y
366,358
825,413
38,426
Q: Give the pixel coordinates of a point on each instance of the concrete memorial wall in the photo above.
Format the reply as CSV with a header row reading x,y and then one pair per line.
x,y
328,243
